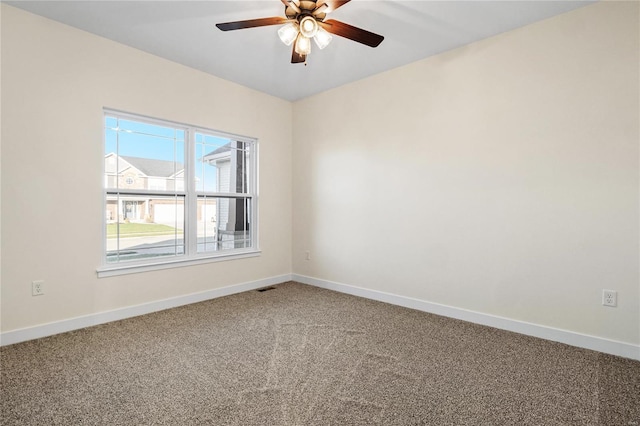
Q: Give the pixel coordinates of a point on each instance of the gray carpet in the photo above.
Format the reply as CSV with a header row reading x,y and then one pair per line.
x,y
299,355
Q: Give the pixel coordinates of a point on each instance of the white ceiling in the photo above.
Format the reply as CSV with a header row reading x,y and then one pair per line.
x,y
184,32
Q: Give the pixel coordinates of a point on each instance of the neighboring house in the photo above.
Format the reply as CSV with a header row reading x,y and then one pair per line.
x,y
136,173
231,177
221,160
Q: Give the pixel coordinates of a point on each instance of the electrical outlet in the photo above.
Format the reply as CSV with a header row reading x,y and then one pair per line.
x,y
37,288
610,298
307,255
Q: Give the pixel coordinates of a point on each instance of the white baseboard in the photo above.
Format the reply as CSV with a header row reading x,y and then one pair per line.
x,y
599,344
49,329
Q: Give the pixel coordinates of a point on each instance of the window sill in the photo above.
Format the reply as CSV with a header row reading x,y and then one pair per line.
x,y
124,269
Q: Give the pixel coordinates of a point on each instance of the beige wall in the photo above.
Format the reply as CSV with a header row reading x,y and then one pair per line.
x,y
55,82
501,177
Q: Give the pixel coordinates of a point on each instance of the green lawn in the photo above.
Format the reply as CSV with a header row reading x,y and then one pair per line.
x,y
128,230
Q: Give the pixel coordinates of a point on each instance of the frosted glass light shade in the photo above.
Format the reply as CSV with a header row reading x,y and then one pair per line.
x,y
308,27
322,38
288,33
303,45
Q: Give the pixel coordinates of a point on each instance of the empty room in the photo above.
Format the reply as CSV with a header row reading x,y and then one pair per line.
x,y
292,212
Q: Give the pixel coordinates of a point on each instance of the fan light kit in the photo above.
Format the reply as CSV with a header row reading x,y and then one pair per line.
x,y
306,20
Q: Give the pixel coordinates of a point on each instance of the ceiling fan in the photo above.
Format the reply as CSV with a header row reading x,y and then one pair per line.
x,y
305,20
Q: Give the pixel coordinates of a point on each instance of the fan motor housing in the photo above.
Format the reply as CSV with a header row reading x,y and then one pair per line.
x,y
306,7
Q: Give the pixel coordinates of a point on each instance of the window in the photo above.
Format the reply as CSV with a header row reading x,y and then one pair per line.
x,y
175,193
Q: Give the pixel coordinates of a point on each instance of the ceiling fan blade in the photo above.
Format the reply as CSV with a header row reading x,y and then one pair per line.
x,y
293,4
251,23
320,10
333,4
297,58
352,33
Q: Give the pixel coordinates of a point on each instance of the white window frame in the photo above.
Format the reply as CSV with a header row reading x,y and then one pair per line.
x,y
190,256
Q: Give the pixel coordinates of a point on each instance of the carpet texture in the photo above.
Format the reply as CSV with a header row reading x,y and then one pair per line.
x,y
299,355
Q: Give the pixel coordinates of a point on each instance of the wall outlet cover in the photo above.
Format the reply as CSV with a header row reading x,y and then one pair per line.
x,y
610,298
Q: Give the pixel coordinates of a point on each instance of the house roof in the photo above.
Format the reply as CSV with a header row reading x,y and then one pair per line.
x,y
224,148
219,153
152,167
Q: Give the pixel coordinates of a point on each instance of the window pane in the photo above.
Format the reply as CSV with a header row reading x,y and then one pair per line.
x,y
234,224
223,223
207,215
221,165
143,156
178,179
141,227
111,122
130,126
